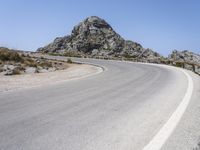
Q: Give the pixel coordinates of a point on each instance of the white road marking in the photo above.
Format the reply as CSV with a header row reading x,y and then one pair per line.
x,y
161,137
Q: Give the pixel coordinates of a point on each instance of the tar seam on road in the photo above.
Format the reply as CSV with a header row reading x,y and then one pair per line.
x,y
164,133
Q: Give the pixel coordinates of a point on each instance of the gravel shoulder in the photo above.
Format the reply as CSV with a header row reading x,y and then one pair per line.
x,y
73,72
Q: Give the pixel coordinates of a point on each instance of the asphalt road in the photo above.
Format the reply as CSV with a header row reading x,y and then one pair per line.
x,y
123,108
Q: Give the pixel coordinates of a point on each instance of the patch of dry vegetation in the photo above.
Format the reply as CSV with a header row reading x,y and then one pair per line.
x,y
8,55
14,62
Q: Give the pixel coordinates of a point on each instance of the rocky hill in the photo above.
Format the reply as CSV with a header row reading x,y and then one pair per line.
x,y
95,37
186,59
185,56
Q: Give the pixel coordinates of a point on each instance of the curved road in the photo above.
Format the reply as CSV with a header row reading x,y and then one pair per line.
x,y
123,108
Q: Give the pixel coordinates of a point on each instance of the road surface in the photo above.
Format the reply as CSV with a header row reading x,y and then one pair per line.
x,y
126,107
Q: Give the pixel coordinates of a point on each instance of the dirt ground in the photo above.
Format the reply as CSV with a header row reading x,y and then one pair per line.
x,y
74,71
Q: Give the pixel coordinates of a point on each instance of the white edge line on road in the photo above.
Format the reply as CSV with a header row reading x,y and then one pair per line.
x,y
164,133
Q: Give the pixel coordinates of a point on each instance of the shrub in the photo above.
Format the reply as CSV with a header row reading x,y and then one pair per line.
x,y
8,55
54,54
23,55
72,54
179,64
29,62
32,64
16,72
45,64
1,69
69,61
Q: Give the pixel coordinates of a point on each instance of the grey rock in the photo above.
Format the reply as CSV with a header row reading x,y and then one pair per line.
x,y
30,70
8,67
95,52
8,72
12,70
197,147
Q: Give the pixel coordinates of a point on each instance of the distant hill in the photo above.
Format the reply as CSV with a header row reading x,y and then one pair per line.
x,y
95,37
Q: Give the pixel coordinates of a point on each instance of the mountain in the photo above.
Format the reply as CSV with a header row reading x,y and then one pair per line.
x,y
95,37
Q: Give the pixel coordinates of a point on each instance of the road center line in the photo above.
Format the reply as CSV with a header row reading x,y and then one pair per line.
x,y
164,133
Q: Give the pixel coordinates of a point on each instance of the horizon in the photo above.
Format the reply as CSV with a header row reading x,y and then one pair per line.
x,y
158,25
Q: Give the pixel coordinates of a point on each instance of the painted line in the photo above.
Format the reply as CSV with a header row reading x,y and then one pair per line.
x,y
161,137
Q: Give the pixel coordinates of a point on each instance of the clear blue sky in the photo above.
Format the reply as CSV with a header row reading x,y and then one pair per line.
x,y
162,25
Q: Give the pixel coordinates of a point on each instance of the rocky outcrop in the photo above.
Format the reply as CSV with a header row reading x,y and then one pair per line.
x,y
186,59
95,37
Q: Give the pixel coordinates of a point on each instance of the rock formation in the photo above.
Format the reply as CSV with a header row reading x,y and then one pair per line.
x,y
186,59
95,37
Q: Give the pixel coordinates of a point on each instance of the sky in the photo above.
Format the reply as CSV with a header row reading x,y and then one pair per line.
x,y
162,25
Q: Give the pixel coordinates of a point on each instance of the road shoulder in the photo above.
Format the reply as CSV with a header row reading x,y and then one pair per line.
x,y
74,72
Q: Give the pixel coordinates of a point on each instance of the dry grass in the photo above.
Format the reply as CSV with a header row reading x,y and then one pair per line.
x,y
8,55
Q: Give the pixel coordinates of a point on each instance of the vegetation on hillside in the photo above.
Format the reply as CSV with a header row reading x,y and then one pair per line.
x,y
15,62
8,55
